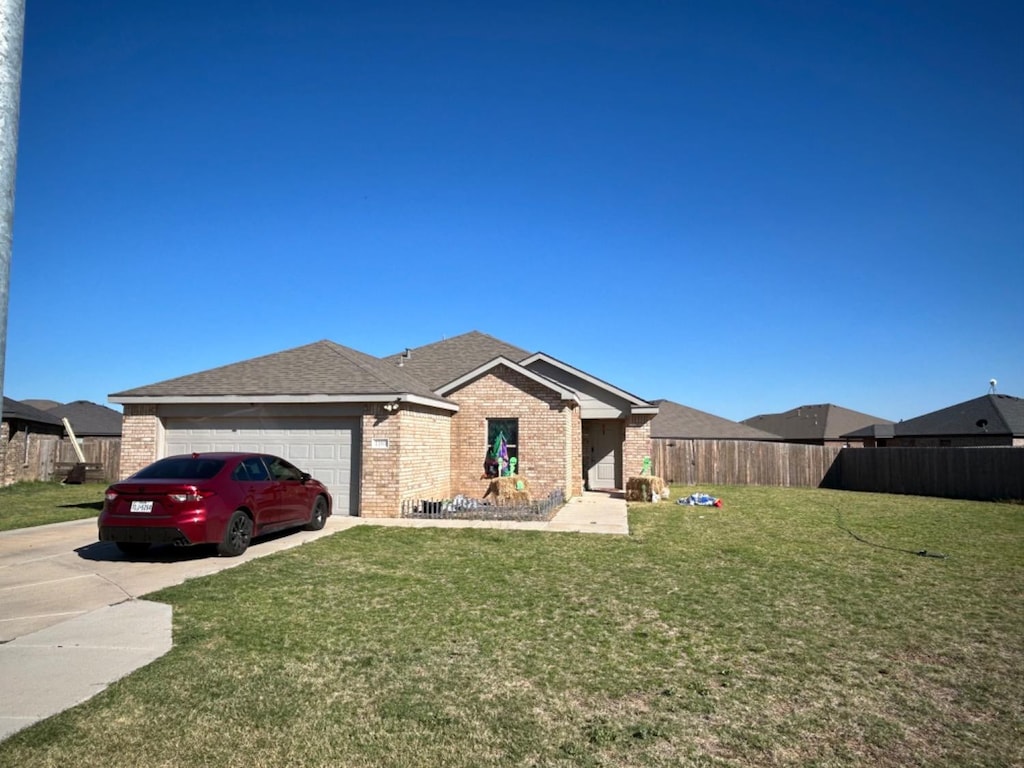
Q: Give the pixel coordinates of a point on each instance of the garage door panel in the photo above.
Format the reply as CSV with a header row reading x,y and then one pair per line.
x,y
324,449
324,452
299,451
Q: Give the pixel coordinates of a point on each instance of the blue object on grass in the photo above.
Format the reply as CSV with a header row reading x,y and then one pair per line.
x,y
700,500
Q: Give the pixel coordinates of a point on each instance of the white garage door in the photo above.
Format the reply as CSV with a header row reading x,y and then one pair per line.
x,y
322,448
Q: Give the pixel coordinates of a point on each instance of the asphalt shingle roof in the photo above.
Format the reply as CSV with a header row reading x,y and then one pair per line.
x,y
321,368
42,405
444,361
14,409
813,422
680,421
89,419
990,414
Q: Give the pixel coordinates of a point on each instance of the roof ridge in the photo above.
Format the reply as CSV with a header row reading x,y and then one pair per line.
x,y
995,405
363,360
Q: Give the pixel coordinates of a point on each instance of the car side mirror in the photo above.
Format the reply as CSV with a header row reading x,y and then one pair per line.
x,y
306,477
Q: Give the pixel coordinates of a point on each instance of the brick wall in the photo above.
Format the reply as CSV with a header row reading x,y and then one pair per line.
x,y
140,438
425,456
964,441
575,447
548,448
415,464
636,445
26,454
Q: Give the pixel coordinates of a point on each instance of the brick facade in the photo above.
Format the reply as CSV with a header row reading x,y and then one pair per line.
x,y
415,464
22,450
141,436
962,441
636,445
549,448
575,448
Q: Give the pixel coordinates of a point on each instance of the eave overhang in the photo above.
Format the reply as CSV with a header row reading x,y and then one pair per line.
x,y
564,392
297,399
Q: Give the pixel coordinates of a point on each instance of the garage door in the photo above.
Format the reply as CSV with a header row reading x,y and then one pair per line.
x,y
322,448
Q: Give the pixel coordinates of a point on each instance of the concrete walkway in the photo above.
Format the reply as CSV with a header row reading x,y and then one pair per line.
x,y
71,622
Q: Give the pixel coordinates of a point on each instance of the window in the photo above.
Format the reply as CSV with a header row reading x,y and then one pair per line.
x,y
502,447
282,470
251,469
180,468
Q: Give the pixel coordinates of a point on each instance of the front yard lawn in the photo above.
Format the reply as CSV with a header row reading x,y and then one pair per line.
x,y
758,634
24,505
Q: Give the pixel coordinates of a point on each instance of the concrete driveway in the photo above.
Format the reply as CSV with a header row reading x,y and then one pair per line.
x,y
56,572
71,623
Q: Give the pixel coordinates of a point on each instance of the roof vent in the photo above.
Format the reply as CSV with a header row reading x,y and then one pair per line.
x,y
981,424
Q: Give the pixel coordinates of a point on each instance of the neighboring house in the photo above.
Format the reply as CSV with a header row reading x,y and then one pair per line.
x,y
675,421
24,431
824,424
89,419
415,425
990,420
42,405
98,434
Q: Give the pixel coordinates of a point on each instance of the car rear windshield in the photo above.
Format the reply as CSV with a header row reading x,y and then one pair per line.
x,y
184,468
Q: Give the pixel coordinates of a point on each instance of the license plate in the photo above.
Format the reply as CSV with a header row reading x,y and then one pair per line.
x,y
142,506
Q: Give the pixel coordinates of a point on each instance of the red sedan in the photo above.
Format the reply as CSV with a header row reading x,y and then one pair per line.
x,y
211,498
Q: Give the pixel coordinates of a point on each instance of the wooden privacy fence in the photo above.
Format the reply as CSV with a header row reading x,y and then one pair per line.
x,y
953,473
985,474
741,462
49,457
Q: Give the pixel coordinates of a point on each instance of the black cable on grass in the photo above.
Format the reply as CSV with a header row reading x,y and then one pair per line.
x,y
862,540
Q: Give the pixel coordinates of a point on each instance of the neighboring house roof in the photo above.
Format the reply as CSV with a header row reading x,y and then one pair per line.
x,y
42,405
813,422
89,419
986,415
445,361
14,409
322,371
680,421
877,431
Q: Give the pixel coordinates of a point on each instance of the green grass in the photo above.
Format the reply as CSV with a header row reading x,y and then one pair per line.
x,y
758,634
24,505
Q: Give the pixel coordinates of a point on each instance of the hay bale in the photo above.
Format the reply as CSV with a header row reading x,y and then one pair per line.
x,y
644,488
504,490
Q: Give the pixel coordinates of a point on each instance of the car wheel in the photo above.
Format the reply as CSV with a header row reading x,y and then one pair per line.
x,y
237,535
318,519
132,548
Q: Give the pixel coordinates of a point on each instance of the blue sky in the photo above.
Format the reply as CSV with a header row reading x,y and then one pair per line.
x,y
740,206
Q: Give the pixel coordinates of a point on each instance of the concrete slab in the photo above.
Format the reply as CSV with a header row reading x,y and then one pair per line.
x,y
48,671
53,572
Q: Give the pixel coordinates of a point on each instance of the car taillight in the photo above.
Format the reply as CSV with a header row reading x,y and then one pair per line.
x,y
110,495
192,494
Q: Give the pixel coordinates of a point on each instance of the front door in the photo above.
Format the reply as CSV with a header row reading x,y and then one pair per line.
x,y
603,458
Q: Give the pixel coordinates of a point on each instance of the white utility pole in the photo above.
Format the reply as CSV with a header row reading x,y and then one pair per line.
x,y
12,38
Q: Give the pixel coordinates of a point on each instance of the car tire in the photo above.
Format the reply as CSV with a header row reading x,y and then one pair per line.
x,y
132,548
237,535
318,517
